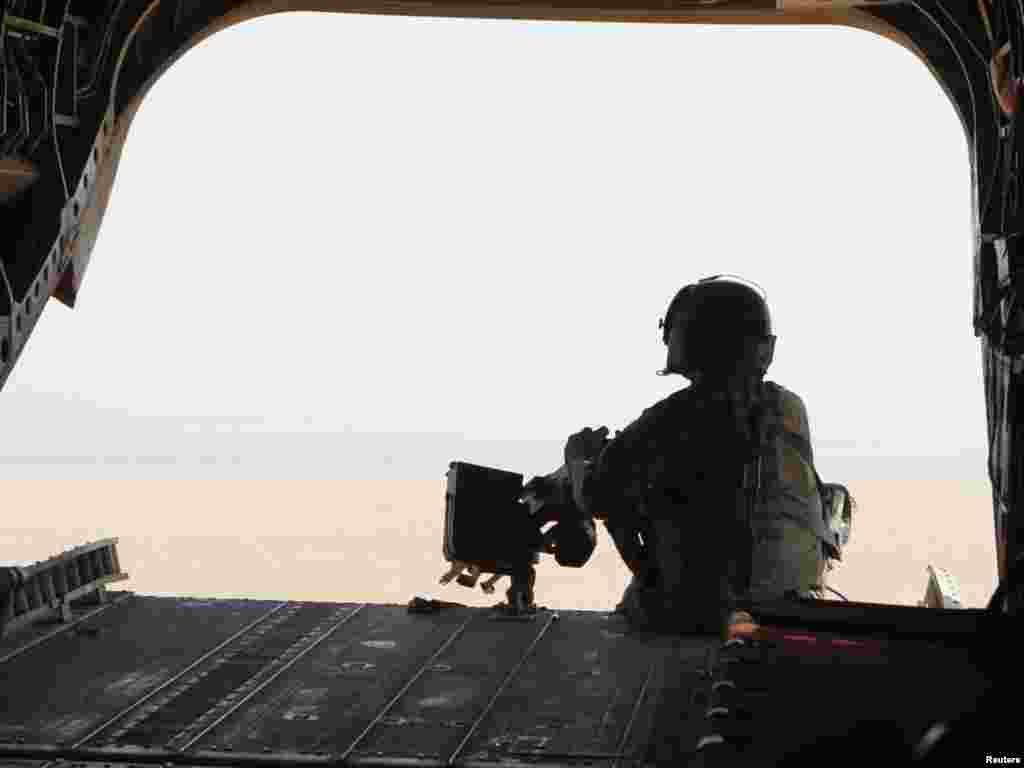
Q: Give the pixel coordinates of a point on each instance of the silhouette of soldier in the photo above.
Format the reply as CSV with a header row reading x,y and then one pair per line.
x,y
711,493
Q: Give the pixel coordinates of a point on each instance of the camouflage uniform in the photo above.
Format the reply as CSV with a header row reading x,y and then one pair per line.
x,y
789,528
670,490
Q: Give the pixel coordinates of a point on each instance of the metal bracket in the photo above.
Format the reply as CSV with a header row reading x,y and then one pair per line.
x,y
942,591
1003,322
32,71
46,589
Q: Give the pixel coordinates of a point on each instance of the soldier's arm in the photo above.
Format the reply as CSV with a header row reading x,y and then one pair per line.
x,y
610,489
602,487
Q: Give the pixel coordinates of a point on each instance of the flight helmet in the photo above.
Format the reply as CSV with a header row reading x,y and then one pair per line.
x,y
726,328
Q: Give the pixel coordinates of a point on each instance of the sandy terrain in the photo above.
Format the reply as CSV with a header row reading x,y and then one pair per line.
x,y
381,541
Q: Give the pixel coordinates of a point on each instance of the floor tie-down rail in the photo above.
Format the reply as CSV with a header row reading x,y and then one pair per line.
x,y
44,590
202,682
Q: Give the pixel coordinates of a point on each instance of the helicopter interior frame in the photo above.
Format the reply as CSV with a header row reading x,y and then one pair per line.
x,y
76,71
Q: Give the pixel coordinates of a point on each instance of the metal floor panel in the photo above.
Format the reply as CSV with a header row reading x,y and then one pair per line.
x,y
913,686
57,691
325,702
439,709
18,642
178,718
193,683
577,696
669,735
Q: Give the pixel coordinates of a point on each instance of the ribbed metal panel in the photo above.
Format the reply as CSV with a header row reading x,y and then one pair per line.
x,y
187,682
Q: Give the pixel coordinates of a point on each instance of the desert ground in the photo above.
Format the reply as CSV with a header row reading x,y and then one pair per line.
x,y
380,541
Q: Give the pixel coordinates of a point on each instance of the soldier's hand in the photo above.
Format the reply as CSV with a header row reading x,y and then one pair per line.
x,y
585,444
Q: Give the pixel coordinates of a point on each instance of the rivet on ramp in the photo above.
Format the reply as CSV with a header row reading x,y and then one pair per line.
x,y
709,740
384,644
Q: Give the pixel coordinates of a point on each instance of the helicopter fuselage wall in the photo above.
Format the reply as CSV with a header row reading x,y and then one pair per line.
x,y
108,55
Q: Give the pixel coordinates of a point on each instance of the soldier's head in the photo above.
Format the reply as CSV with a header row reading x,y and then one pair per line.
x,y
717,329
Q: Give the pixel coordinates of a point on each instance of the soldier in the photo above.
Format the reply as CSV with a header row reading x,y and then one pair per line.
x,y
711,493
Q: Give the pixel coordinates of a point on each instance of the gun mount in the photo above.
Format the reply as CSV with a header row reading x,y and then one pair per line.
x,y
494,524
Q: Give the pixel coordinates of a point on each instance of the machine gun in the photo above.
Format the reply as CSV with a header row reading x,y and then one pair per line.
x,y
494,524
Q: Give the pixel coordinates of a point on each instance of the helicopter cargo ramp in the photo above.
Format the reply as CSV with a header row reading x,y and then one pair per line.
x,y
144,680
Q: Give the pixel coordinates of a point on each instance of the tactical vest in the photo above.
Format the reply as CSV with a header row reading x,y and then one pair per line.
x,y
790,487
785,533
789,528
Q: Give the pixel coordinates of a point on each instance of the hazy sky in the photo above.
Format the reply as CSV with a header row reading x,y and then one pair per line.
x,y
356,246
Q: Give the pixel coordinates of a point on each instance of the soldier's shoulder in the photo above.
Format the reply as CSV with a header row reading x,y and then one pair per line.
x,y
787,396
677,399
663,408
793,410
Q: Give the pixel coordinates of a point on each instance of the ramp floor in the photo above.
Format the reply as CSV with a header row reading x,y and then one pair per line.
x,y
158,680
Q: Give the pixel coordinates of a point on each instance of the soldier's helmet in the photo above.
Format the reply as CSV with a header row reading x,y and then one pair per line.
x,y
726,327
